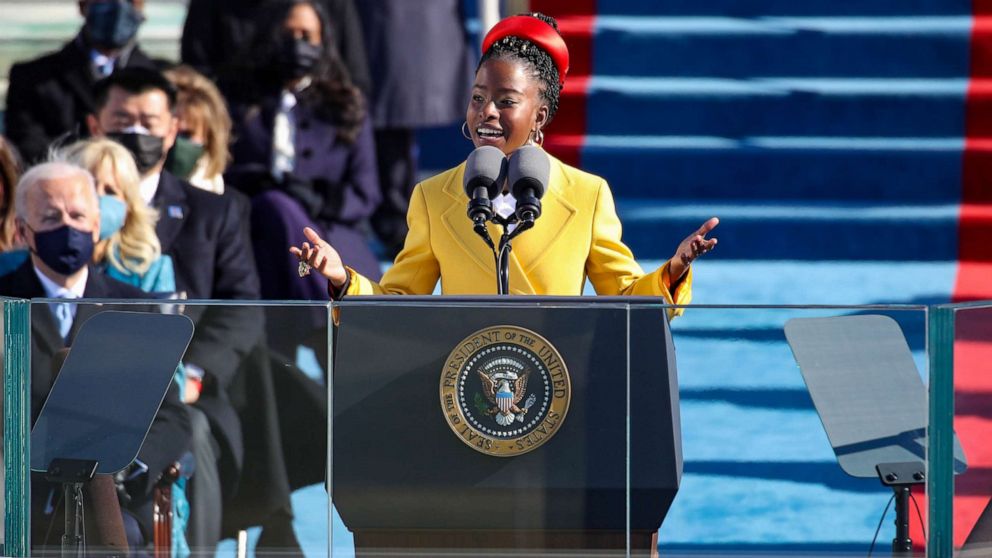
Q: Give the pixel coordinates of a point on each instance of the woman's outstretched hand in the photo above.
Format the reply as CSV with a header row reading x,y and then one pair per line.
x,y
694,245
322,257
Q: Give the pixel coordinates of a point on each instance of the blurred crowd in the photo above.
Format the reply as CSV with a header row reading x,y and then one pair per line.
x,y
123,176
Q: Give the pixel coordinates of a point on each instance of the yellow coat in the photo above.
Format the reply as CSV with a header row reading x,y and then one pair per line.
x,y
576,237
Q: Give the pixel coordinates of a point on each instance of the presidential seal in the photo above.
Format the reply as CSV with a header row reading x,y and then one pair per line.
x,y
505,391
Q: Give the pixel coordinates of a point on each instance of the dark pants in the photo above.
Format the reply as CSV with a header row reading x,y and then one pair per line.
x,y
204,492
396,156
277,222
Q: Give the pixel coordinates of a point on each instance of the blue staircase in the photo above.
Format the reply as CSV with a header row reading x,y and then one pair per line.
x,y
817,130
828,137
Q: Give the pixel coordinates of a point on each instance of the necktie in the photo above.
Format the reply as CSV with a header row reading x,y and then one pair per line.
x,y
283,130
63,315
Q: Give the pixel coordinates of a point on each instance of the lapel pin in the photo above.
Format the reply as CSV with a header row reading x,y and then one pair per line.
x,y
175,212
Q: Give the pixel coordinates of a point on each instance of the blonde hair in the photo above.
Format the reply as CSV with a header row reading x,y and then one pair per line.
x,y
135,247
199,100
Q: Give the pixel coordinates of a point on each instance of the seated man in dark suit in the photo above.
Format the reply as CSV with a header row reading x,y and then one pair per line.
x,y
207,236
49,98
59,219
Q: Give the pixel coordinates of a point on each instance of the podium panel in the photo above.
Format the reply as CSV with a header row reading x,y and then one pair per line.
x,y
418,446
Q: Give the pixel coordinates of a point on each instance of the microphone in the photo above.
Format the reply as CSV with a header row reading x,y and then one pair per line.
x,y
529,169
485,171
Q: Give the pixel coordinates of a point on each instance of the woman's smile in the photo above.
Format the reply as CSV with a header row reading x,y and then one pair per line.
x,y
505,108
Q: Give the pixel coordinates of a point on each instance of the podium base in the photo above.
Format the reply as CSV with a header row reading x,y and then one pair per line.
x,y
381,543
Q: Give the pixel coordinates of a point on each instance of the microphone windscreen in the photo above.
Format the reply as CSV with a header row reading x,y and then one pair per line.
x,y
529,167
486,167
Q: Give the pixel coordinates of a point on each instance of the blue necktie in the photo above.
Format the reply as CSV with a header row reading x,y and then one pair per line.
x,y
106,68
63,315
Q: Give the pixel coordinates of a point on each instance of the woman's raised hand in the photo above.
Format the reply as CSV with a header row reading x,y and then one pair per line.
x,y
321,256
694,245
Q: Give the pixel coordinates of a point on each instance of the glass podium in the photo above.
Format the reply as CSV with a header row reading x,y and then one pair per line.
x,y
555,426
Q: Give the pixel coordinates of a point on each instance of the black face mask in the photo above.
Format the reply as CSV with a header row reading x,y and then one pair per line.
x,y
296,58
146,149
66,250
112,24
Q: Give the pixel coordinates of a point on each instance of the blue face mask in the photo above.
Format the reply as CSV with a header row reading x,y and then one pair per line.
x,y
112,24
112,213
66,250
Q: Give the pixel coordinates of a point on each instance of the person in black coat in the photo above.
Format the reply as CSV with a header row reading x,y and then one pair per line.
x,y
412,87
58,217
207,236
218,34
48,98
320,170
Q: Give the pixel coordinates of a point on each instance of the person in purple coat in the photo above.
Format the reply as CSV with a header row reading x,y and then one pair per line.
x,y
304,149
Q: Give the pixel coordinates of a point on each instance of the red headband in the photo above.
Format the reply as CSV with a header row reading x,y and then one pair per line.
x,y
535,31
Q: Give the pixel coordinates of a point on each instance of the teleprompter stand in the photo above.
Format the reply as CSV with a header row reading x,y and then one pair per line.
x,y
72,474
871,400
102,404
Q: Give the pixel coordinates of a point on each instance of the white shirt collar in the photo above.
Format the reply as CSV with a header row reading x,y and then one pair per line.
x,y
148,186
53,290
99,59
504,205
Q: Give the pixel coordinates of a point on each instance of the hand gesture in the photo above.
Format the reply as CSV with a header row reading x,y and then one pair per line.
x,y
320,255
694,245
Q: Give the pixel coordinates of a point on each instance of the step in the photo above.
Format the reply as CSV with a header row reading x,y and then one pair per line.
x,y
737,512
678,167
933,46
910,170
775,107
752,8
803,282
800,231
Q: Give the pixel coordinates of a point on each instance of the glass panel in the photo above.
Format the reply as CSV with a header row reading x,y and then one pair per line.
x,y
14,483
729,456
761,474
245,451
968,521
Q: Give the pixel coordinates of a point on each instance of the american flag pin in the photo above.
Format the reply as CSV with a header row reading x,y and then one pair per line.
x,y
175,212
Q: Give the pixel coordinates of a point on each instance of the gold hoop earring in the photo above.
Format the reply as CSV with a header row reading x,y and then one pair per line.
x,y
465,131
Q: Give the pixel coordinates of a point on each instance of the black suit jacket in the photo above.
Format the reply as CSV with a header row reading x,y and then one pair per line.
x,y
169,436
49,97
207,237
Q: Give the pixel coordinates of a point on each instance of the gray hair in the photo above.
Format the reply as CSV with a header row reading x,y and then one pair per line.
x,y
43,172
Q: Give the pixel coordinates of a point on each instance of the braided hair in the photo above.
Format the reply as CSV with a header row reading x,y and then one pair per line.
x,y
538,62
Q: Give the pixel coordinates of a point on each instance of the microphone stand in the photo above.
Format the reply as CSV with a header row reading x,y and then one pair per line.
x,y
502,255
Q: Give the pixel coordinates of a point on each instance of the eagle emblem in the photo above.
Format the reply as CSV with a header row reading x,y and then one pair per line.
x,y
504,390
504,384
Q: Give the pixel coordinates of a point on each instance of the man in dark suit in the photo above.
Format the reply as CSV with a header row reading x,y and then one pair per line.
x,y
48,98
208,239
58,217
